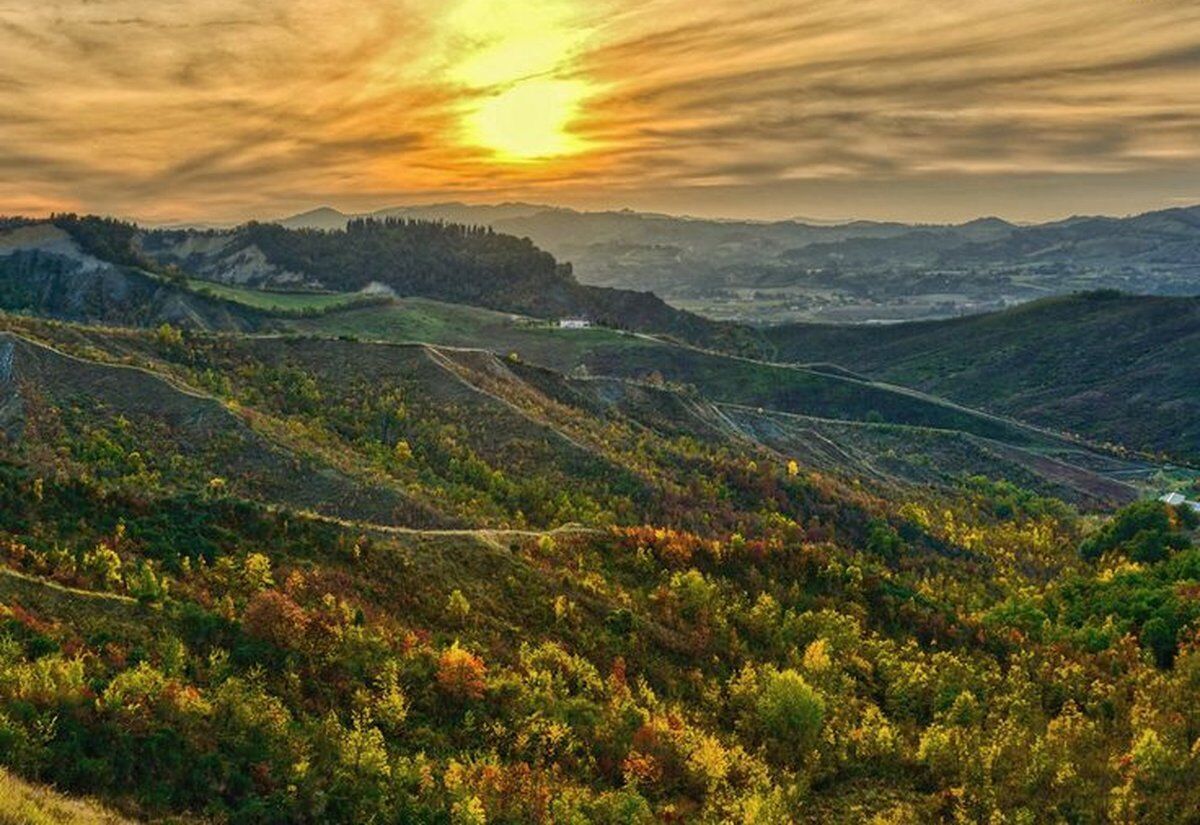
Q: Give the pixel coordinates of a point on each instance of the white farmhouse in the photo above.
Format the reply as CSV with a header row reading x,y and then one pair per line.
x,y
574,323
1178,500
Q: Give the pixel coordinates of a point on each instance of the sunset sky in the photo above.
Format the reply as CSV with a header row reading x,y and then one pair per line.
x,y
907,109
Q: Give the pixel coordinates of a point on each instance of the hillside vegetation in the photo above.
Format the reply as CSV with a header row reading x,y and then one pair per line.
x,y
448,262
435,563
1061,363
1114,367
625,603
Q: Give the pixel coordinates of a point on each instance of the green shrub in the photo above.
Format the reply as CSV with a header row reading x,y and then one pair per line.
x,y
790,714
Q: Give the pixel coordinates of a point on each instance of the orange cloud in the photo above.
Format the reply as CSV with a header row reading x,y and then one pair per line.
x,y
219,109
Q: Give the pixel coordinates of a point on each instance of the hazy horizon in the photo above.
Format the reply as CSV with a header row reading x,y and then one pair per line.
x,y
831,220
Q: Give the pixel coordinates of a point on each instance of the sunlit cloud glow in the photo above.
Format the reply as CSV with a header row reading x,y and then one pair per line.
x,y
530,120
220,109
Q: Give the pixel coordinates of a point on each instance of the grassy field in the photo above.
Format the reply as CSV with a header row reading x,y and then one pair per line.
x,y
271,301
411,319
418,319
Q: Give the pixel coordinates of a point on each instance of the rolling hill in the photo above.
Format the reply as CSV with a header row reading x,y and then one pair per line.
x,y
100,270
448,262
801,380
1114,367
308,571
497,411
1087,350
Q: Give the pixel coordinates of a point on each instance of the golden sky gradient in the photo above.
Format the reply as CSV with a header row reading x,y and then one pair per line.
x,y
910,109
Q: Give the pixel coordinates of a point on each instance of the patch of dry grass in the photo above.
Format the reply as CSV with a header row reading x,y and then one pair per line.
x,y
24,804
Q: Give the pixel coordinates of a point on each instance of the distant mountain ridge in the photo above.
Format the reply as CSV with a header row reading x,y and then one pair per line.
x,y
623,225
1169,237
556,226
848,271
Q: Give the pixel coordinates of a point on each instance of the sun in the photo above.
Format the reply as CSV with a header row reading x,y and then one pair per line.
x,y
530,120
518,65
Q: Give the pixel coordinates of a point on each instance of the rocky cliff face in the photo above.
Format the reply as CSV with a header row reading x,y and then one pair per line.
x,y
43,271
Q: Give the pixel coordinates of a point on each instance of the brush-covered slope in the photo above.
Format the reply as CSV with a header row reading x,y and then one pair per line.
x,y
423,562
907,455
72,415
819,392
714,375
408,435
597,351
1113,367
397,434
724,633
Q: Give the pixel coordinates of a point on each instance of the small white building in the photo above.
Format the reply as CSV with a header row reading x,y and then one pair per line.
x,y
574,323
1178,500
